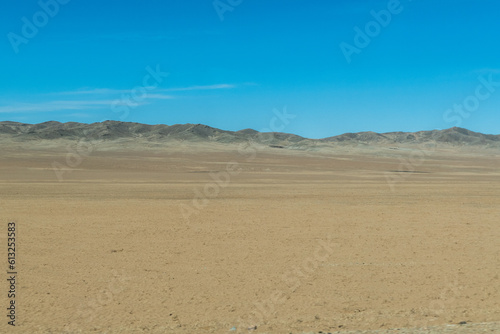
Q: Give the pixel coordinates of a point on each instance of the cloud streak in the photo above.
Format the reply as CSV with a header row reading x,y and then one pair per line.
x,y
55,106
99,98
209,87
110,91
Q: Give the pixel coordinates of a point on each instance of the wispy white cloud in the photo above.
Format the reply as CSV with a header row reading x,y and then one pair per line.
x,y
55,106
208,87
99,98
160,96
95,91
111,91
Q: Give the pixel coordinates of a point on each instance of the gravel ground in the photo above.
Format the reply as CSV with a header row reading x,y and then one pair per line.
x,y
470,328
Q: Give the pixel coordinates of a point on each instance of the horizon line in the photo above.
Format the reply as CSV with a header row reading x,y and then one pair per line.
x,y
288,133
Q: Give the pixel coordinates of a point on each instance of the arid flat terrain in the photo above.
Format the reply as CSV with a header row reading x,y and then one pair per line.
x,y
217,238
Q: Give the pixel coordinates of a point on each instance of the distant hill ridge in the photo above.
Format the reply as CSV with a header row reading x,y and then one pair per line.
x,y
113,130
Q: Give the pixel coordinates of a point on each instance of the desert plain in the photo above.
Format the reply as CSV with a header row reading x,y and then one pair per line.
x,y
212,238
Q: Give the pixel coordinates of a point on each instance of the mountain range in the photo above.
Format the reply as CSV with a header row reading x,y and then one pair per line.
x,y
116,130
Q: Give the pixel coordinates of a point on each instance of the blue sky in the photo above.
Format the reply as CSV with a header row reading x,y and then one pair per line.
x,y
231,64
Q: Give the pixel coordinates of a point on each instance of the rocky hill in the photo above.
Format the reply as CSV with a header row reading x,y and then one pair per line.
x,y
456,136
114,130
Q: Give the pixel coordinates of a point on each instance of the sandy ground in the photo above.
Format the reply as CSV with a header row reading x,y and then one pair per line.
x,y
145,241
